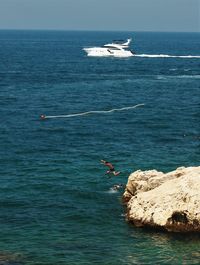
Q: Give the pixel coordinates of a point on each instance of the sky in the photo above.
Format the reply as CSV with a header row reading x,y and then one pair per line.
x,y
119,15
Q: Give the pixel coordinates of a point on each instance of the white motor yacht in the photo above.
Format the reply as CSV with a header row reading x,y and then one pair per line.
x,y
116,49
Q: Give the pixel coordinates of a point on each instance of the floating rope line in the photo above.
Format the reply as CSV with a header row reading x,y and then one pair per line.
x,y
43,117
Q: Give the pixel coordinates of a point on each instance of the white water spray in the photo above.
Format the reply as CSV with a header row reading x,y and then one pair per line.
x,y
89,112
168,56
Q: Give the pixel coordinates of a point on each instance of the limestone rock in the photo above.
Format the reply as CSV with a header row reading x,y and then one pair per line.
x,y
170,201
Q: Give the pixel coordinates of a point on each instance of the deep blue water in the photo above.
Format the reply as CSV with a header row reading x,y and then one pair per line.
x,y
56,206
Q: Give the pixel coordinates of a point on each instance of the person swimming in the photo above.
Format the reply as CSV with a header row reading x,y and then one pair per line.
x,y
111,168
117,186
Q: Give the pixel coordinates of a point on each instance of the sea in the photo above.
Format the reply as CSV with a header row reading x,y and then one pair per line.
x,y
57,205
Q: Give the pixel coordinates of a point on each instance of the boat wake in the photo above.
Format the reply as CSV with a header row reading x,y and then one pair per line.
x,y
89,112
168,56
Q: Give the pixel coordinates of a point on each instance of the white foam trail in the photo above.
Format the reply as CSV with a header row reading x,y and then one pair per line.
x,y
91,112
111,190
168,56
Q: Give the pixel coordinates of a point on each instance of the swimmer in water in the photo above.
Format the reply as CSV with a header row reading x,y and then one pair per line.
x,y
111,168
42,117
117,186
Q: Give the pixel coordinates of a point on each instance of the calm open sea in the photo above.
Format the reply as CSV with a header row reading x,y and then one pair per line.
x,y
56,206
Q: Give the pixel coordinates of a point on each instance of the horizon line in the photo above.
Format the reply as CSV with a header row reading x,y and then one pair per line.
x,y
98,30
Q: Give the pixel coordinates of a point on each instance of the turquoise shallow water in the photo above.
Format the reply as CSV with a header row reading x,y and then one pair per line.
x,y
56,206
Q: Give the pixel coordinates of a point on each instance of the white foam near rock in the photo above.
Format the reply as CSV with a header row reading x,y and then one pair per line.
x,y
169,201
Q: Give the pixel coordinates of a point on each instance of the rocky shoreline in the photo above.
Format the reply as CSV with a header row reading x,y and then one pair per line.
x,y
170,201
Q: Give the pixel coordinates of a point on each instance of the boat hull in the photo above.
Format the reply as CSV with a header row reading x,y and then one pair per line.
x,y
104,52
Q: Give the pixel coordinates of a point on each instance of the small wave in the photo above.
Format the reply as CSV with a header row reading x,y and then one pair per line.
x,y
55,130
168,56
160,77
11,72
188,76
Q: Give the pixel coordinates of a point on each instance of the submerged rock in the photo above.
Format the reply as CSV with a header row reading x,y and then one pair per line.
x,y
10,258
168,201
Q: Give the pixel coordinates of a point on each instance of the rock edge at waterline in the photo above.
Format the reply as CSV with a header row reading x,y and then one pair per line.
x,y
169,201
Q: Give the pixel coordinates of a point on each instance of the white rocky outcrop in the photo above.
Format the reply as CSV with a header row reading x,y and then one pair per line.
x,y
170,201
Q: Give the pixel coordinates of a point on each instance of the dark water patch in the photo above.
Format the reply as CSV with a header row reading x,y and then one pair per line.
x,y
52,130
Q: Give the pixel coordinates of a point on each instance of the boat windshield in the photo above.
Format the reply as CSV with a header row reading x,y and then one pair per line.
x,y
111,47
